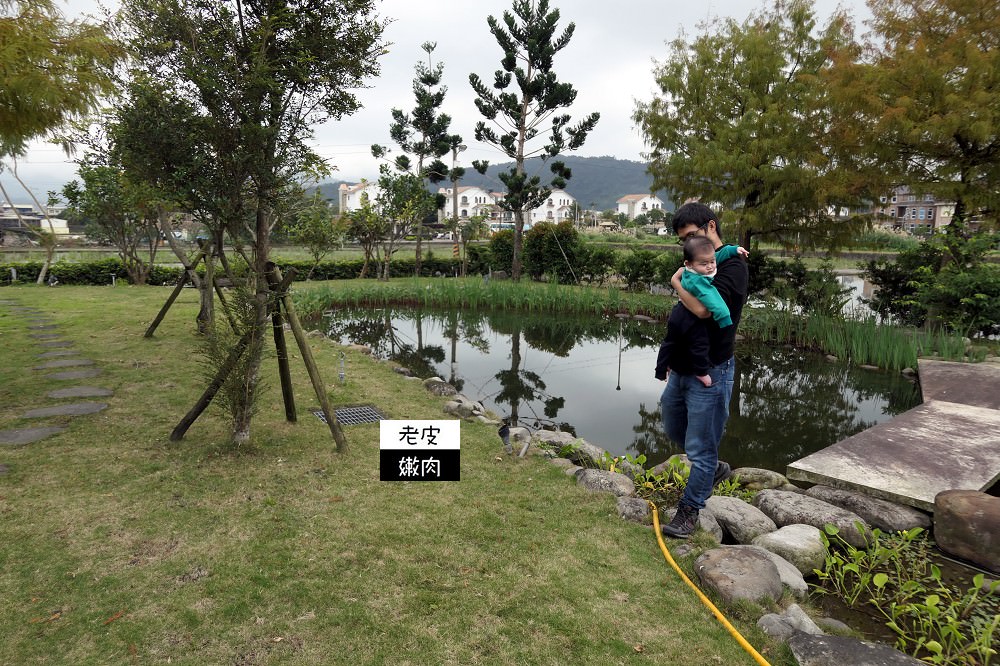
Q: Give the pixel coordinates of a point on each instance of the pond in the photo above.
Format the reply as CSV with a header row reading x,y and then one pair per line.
x,y
594,377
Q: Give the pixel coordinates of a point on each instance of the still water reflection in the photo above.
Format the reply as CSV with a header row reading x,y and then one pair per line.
x,y
594,377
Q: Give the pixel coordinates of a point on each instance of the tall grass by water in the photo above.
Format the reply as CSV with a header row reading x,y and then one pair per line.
x,y
862,341
478,294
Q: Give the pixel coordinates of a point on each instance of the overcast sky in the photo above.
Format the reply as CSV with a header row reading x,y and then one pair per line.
x,y
610,61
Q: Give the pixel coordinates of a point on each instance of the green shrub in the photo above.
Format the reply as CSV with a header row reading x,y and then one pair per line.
x,y
479,258
595,263
943,282
502,250
551,251
967,300
896,290
637,269
666,265
99,272
763,270
811,291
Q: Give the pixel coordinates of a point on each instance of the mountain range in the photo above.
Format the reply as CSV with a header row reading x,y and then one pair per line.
x,y
596,183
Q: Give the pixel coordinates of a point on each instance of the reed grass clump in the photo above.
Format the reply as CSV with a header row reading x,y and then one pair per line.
x,y
478,294
863,341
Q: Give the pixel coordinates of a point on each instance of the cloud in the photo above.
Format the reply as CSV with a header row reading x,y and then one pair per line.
x,y
609,61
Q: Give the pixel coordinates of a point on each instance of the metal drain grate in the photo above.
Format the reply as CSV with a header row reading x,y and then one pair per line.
x,y
353,415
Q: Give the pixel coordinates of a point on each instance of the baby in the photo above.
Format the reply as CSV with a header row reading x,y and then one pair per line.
x,y
685,348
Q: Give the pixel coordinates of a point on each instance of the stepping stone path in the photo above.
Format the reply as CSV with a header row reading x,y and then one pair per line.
x,y
66,363
73,409
44,331
26,435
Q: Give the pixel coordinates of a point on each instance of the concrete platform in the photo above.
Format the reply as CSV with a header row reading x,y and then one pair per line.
x,y
976,384
940,445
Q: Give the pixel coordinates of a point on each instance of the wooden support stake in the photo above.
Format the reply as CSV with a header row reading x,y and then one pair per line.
x,y
274,273
277,325
213,388
166,306
173,296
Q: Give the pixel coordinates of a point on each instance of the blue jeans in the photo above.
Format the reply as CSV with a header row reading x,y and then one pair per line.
x,y
695,417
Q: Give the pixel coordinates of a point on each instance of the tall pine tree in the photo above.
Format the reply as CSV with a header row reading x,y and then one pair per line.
x,y
423,133
522,105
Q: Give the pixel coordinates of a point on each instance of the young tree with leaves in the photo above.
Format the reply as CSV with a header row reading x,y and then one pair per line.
x,y
402,203
742,121
366,227
317,228
515,116
423,133
258,75
166,142
119,212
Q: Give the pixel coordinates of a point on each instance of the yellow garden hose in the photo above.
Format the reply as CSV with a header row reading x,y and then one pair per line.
x,y
705,600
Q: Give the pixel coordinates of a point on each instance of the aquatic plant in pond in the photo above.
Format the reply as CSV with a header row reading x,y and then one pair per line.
x,y
593,376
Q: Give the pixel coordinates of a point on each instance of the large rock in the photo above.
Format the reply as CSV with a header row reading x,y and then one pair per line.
x,y
756,478
810,650
785,625
739,573
967,524
801,545
438,386
461,409
739,520
787,508
585,454
519,435
885,515
554,438
600,480
790,576
635,509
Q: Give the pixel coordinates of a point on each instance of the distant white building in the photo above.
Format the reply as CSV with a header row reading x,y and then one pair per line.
x,y
634,205
351,196
472,201
557,208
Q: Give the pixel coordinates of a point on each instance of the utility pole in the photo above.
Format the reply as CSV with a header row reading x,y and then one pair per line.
x,y
456,148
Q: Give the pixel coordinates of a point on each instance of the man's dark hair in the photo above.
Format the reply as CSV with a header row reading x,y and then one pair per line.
x,y
697,245
695,213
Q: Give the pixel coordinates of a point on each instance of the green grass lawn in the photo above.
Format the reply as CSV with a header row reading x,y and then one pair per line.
x,y
122,547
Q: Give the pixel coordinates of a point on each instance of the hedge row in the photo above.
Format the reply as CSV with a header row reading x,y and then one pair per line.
x,y
99,272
